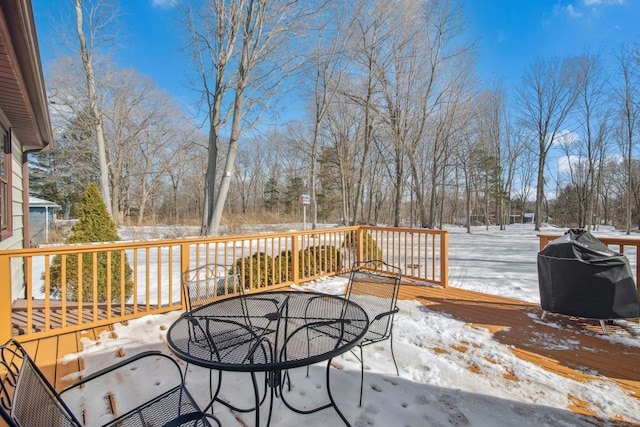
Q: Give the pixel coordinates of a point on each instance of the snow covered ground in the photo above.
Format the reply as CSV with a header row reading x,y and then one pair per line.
x,y
434,389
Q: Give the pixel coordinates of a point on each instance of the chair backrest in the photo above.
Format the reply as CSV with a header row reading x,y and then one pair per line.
x,y
26,397
374,285
208,283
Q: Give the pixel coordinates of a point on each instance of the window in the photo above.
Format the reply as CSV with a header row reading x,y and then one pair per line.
x,y
5,185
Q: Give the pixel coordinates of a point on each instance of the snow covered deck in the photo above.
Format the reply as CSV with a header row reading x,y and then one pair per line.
x,y
572,348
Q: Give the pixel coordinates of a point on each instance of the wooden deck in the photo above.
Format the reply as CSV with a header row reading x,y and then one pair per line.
x,y
513,323
71,316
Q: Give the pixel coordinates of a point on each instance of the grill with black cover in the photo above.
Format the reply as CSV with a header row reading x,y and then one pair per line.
x,y
580,276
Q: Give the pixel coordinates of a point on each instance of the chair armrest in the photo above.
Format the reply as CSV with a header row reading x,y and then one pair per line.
x,y
190,417
386,313
142,399
119,365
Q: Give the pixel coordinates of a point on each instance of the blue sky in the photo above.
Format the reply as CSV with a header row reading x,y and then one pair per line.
x,y
511,34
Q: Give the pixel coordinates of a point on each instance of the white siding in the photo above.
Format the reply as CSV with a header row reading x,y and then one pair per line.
x,y
17,240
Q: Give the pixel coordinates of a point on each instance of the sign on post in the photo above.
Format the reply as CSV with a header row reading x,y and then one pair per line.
x,y
304,199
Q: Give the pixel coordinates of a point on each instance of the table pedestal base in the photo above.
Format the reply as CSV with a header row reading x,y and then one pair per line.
x,y
276,382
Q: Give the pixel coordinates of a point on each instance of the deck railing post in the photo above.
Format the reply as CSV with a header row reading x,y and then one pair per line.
x,y
5,298
444,259
544,240
184,266
359,244
295,260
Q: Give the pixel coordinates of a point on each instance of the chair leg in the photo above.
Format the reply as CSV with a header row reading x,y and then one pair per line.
x,y
393,355
361,375
212,395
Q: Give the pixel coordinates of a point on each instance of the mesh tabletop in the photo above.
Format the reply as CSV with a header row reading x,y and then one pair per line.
x,y
268,331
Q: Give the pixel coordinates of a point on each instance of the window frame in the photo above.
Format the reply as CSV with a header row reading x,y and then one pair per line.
x,y
6,202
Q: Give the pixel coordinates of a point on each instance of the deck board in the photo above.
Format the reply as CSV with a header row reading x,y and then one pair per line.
x,y
47,356
67,343
73,315
513,323
518,324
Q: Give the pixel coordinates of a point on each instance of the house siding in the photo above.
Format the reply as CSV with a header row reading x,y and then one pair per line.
x,y
24,111
16,241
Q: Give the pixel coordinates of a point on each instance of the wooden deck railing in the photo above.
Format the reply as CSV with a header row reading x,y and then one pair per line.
x,y
624,245
45,308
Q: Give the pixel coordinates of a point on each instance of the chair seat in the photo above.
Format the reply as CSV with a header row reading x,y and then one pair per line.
x,y
174,408
374,337
28,399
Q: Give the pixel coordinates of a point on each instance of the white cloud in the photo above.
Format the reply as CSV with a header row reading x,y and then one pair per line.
x,y
572,12
565,137
163,3
605,2
566,163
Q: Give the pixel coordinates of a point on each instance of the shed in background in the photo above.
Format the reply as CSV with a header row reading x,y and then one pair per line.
x,y
42,215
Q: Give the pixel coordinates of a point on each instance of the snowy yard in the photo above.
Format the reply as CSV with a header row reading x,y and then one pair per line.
x,y
433,389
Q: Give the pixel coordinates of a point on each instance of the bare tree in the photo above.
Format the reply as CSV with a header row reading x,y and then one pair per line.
x,y
627,105
238,49
326,70
435,102
73,122
593,115
250,176
343,125
80,92
186,177
158,148
399,72
142,128
464,167
365,47
525,172
546,96
447,130
501,148
100,15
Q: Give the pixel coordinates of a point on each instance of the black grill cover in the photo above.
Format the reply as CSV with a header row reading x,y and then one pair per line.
x,y
580,276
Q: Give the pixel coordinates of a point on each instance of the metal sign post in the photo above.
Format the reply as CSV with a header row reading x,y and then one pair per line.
x,y
304,200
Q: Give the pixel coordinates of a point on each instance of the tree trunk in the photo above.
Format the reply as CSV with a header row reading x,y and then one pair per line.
x,y
95,111
210,181
214,223
540,189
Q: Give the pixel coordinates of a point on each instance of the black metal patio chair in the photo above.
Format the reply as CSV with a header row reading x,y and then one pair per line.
x,y
209,282
203,285
374,285
27,399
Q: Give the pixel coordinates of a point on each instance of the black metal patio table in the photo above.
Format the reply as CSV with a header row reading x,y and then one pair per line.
x,y
269,332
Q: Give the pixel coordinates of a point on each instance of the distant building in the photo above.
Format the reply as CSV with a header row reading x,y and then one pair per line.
x,y
42,215
515,217
529,218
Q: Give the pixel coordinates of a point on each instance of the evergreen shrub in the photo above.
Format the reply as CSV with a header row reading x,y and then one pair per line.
x,y
370,248
255,269
312,261
94,225
318,259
